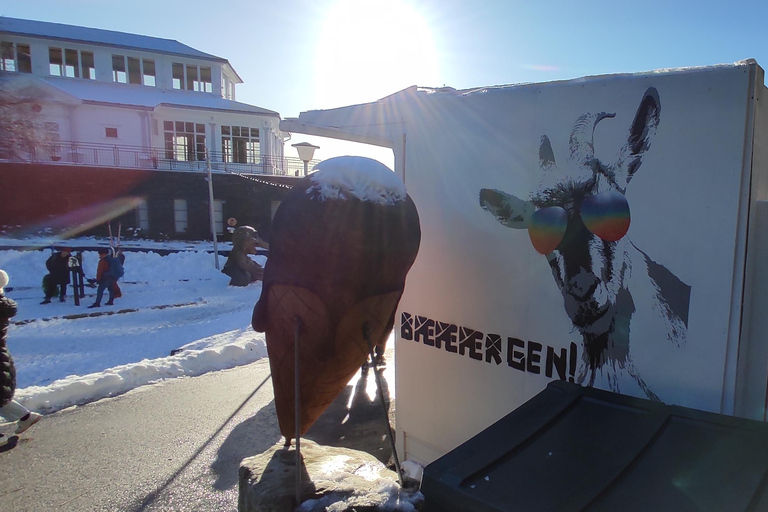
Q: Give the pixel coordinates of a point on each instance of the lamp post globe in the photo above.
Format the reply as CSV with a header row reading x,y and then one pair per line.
x,y
306,152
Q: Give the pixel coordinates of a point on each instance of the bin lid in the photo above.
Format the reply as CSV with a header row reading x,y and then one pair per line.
x,y
572,448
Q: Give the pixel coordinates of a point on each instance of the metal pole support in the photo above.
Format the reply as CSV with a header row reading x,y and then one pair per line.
x,y
297,408
380,392
209,179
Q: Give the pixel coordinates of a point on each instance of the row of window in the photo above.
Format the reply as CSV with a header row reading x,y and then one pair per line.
x,y
132,70
15,57
180,215
180,218
185,141
71,63
192,78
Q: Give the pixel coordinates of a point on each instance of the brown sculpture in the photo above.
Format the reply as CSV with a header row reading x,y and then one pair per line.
x,y
239,267
342,242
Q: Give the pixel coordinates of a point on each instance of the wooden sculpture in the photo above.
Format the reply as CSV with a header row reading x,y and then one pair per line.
x,y
341,244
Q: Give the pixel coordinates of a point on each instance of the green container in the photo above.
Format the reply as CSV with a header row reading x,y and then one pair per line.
x,y
572,448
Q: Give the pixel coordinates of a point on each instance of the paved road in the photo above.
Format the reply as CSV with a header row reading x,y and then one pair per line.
x,y
176,445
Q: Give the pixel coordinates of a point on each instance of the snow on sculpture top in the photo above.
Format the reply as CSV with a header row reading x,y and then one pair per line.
x,y
343,177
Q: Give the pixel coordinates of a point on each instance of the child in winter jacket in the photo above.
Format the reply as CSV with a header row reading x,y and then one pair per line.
x,y
106,279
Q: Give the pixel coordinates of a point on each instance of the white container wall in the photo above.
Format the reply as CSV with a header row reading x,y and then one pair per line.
x,y
593,230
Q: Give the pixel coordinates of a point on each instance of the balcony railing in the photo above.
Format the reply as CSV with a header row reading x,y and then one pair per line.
x,y
135,157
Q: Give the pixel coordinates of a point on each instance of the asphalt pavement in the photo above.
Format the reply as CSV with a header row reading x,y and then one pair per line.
x,y
175,445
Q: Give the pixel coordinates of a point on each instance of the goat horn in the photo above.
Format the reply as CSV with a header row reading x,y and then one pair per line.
x,y
583,135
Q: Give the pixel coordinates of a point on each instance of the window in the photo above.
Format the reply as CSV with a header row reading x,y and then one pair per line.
x,y
52,140
111,132
192,78
180,215
149,72
178,75
206,83
15,57
133,70
71,63
240,144
88,65
218,215
142,215
118,69
56,62
227,88
184,140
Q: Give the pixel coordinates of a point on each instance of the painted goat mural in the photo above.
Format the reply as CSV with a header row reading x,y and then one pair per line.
x,y
578,218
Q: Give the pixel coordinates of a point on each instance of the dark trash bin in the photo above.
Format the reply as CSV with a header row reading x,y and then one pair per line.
x,y
572,448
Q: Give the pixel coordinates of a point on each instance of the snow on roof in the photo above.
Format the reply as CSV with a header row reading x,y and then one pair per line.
x,y
99,36
150,97
364,178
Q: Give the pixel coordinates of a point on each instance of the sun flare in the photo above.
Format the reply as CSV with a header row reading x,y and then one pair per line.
x,y
369,49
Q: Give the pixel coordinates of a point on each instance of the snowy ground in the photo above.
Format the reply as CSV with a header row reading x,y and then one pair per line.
x,y
70,355
178,301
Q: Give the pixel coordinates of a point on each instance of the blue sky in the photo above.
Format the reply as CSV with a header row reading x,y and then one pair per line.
x,y
297,55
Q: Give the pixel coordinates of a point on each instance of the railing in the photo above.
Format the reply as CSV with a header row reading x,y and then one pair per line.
x,y
136,157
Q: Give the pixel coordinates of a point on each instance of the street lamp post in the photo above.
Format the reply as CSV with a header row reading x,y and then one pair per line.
x,y
306,152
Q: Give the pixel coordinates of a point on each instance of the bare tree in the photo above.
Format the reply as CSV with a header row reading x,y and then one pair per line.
x,y
18,113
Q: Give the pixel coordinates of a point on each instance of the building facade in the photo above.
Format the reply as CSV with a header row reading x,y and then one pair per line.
x,y
99,125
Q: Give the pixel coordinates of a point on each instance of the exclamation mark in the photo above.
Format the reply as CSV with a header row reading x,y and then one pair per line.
x,y
572,363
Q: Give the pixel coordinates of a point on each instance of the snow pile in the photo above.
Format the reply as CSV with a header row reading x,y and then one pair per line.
x,y
179,303
232,349
353,176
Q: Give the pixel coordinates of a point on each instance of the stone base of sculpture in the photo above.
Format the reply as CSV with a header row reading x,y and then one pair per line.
x,y
331,477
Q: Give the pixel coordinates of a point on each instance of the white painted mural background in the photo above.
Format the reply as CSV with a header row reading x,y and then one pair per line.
x,y
474,272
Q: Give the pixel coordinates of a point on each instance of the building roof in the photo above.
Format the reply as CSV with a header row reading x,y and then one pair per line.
x,y
138,96
98,36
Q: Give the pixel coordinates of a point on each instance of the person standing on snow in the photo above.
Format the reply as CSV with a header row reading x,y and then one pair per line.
x,y
10,409
110,269
58,275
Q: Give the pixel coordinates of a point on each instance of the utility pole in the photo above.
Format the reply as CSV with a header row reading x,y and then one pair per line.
x,y
209,179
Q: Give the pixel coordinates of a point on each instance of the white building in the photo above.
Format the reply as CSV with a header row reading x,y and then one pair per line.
x,y
110,99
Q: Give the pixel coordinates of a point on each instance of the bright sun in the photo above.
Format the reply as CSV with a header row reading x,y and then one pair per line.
x,y
369,49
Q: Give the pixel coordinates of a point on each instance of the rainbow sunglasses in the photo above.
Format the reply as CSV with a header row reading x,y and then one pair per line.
x,y
605,215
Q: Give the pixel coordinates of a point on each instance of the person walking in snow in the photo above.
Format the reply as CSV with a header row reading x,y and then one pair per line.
x,y
10,409
58,275
110,269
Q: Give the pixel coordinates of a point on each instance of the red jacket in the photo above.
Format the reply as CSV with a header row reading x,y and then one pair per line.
x,y
103,267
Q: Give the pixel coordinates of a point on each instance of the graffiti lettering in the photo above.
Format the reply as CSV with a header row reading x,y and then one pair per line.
x,y
489,347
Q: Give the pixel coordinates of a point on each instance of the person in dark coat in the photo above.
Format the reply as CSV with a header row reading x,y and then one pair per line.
x,y
10,409
58,275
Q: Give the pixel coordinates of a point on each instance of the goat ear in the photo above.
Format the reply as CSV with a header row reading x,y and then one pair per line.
x,y
509,210
546,155
641,133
